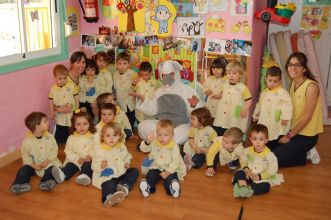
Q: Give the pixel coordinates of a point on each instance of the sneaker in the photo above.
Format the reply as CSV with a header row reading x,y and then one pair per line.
x,y
236,190
245,191
188,162
174,188
47,185
144,188
58,174
113,199
83,179
313,156
20,188
232,166
124,188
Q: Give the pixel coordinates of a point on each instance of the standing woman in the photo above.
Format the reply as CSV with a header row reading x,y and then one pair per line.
x,y
298,145
77,67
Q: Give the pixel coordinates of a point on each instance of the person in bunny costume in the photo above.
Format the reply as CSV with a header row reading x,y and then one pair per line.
x,y
173,101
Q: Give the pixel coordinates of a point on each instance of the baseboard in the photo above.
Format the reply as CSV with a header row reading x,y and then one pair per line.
x,y
10,157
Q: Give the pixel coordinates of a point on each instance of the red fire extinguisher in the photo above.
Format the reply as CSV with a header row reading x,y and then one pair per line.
x,y
90,10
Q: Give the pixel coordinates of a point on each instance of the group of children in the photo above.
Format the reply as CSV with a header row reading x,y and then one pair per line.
x,y
96,149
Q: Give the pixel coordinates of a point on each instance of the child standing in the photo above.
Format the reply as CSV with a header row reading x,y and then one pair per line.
x,y
213,86
274,108
89,90
120,116
105,78
225,150
165,161
39,154
258,166
201,136
111,165
232,110
63,98
144,86
78,150
123,79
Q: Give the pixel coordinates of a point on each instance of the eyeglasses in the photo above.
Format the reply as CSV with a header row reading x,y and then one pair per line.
x,y
293,65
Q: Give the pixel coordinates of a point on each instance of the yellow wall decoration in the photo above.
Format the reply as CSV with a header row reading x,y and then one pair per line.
x,y
162,17
131,16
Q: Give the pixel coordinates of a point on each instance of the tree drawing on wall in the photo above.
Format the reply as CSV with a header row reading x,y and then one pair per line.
x,y
130,7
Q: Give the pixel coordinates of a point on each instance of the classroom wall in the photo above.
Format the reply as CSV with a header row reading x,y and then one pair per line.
x,y
25,91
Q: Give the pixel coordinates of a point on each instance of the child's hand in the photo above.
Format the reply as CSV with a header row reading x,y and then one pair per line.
x,y
198,150
88,158
135,81
193,101
208,92
150,137
248,172
284,122
127,165
45,163
37,166
81,161
133,94
254,177
104,164
284,139
210,172
243,113
255,120
164,174
218,96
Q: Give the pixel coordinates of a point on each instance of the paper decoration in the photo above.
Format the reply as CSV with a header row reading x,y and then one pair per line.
x,y
88,40
215,24
109,9
196,45
131,16
241,7
215,46
190,27
315,17
217,5
200,6
162,17
73,19
184,9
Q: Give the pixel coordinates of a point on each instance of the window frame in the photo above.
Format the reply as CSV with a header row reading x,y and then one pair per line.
x,y
61,53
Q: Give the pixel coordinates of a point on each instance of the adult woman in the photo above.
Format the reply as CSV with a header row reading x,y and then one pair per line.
x,y
307,120
77,67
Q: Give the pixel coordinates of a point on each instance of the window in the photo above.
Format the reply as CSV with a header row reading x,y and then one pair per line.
x,y
31,33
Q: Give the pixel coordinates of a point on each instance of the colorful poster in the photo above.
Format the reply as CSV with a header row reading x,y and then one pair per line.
x,y
215,46
162,17
200,6
315,17
184,9
215,24
73,19
190,27
241,7
131,16
217,5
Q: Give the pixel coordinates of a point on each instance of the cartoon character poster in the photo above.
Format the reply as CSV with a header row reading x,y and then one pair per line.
x,y
191,27
162,18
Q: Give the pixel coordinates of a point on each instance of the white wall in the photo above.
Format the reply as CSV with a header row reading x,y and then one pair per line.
x,y
323,45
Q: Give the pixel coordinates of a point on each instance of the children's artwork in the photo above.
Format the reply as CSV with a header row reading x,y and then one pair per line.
x,y
217,5
139,40
131,16
88,40
155,49
215,46
242,26
162,18
109,9
73,19
241,7
238,47
215,24
151,39
104,30
200,6
190,27
184,43
228,46
315,17
169,42
184,9
196,45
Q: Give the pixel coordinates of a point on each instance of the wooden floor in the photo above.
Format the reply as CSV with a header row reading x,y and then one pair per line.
x,y
304,195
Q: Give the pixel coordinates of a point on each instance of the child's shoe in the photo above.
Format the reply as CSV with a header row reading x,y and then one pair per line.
x,y
245,191
232,166
58,174
113,199
124,188
20,188
313,156
47,185
188,162
144,188
83,179
174,188
236,190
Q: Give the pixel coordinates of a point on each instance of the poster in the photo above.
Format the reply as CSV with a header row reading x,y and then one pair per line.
x,y
73,19
190,27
